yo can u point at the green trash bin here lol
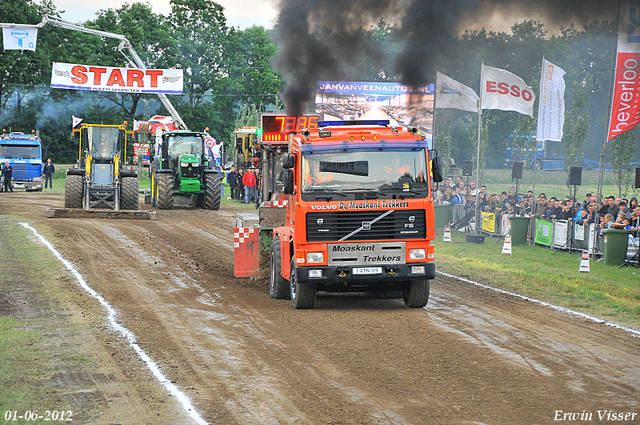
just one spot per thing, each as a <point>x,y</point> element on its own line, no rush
<point>442,215</point>
<point>519,230</point>
<point>615,246</point>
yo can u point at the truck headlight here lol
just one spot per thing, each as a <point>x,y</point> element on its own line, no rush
<point>315,257</point>
<point>37,179</point>
<point>417,254</point>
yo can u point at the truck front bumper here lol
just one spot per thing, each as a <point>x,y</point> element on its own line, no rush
<point>28,186</point>
<point>344,276</point>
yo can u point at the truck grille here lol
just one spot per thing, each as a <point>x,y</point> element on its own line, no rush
<point>334,225</point>
<point>25,172</point>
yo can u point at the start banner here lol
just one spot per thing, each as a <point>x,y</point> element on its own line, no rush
<point>105,78</point>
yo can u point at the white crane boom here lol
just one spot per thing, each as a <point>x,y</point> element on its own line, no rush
<point>134,60</point>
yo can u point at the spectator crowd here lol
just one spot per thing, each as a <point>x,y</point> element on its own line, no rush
<point>608,212</point>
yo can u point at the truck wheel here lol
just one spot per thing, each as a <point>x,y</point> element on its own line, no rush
<point>302,296</point>
<point>165,191</point>
<point>73,191</point>
<point>129,198</point>
<point>213,193</point>
<point>278,287</point>
<point>537,165</point>
<point>416,293</point>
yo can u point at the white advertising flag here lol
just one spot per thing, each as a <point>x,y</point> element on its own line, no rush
<point>503,90</point>
<point>75,121</point>
<point>551,105</point>
<point>107,78</point>
<point>23,37</point>
<point>453,94</point>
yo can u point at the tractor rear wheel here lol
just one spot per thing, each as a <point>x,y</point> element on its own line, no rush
<point>73,191</point>
<point>213,192</point>
<point>129,194</point>
<point>416,293</point>
<point>165,191</point>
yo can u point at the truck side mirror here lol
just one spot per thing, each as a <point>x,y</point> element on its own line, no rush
<point>436,169</point>
<point>289,162</point>
<point>287,176</point>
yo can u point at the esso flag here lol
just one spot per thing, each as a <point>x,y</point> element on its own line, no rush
<point>625,104</point>
<point>105,78</point>
<point>503,90</point>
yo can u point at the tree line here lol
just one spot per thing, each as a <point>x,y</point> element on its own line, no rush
<point>228,76</point>
<point>225,68</point>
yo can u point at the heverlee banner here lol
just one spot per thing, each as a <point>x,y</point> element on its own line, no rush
<point>625,104</point>
<point>106,78</point>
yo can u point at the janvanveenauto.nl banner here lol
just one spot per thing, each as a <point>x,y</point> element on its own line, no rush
<point>106,78</point>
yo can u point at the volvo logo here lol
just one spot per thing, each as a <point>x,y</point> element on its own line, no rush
<point>320,221</point>
<point>366,225</point>
<point>412,218</point>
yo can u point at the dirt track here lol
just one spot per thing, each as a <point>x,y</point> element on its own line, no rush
<point>472,356</point>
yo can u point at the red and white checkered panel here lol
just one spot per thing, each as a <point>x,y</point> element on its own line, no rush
<point>246,252</point>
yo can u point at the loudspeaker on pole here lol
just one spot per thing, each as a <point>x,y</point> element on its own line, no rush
<point>516,171</point>
<point>575,176</point>
<point>467,168</point>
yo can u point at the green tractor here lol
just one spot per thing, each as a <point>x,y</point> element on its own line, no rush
<point>100,179</point>
<point>181,169</point>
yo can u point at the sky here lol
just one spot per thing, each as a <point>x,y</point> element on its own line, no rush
<point>239,13</point>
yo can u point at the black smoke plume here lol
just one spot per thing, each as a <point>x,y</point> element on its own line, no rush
<point>318,38</point>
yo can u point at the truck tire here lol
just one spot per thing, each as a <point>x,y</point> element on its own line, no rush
<point>165,191</point>
<point>73,191</point>
<point>278,286</point>
<point>537,165</point>
<point>213,191</point>
<point>129,195</point>
<point>416,293</point>
<point>302,295</point>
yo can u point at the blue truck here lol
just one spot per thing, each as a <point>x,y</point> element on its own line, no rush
<point>24,153</point>
<point>550,155</point>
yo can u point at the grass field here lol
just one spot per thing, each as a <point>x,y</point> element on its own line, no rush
<point>606,292</point>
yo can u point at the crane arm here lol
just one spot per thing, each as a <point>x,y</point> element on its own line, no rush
<point>133,58</point>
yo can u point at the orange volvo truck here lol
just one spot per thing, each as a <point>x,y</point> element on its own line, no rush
<point>359,214</point>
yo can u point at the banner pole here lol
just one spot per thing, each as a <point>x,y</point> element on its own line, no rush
<point>614,67</point>
<point>478,184</point>
<point>534,203</point>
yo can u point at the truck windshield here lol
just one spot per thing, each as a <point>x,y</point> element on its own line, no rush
<point>398,170</point>
<point>185,145</point>
<point>19,151</point>
<point>103,141</point>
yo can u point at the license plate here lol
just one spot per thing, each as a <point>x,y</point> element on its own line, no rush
<point>367,270</point>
